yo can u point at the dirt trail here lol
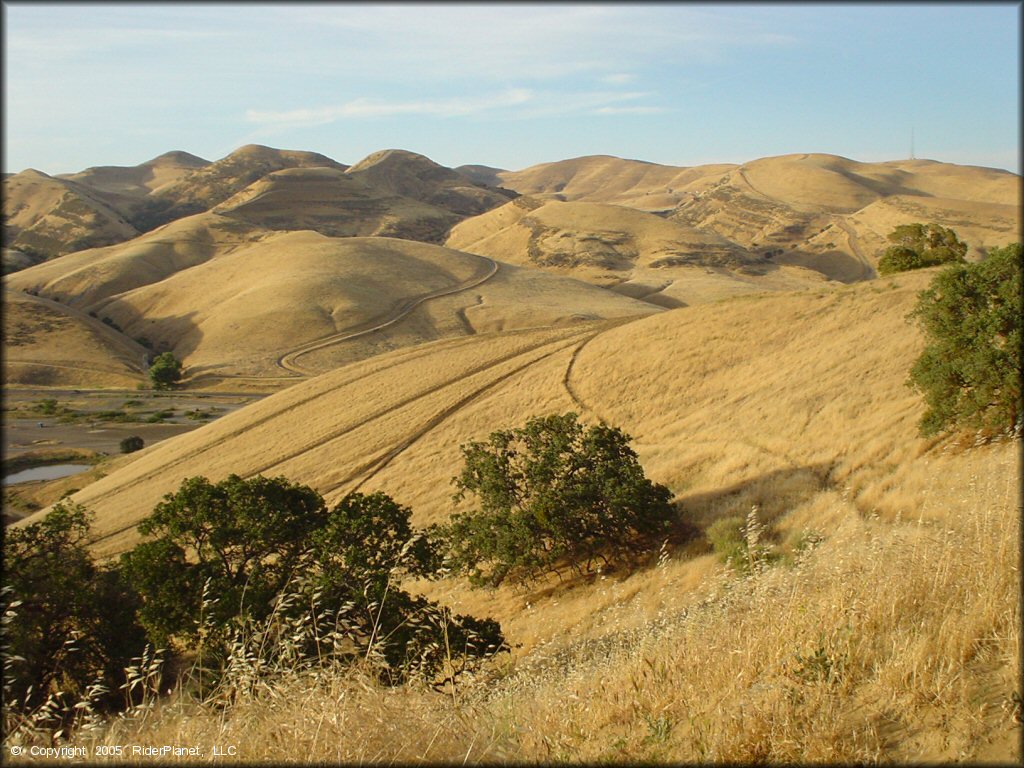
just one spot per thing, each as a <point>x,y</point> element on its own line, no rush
<point>288,360</point>
<point>567,377</point>
<point>867,271</point>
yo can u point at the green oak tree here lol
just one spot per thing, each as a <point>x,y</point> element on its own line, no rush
<point>920,245</point>
<point>552,493</point>
<point>165,370</point>
<point>970,370</point>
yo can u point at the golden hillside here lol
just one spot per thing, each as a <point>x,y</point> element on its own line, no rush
<point>47,216</point>
<point>606,179</point>
<point>783,402</point>
<point>138,180</point>
<point>232,299</point>
<point>823,212</point>
<point>38,334</point>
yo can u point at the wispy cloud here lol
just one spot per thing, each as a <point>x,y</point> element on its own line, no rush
<point>366,107</point>
<point>514,103</point>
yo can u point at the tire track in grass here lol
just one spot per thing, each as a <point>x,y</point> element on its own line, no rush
<point>369,469</point>
<point>454,379</point>
<point>567,376</point>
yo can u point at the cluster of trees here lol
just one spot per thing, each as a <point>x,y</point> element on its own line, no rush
<point>921,245</point>
<point>222,558</point>
<point>969,373</point>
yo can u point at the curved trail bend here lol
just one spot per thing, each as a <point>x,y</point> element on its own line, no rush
<point>288,361</point>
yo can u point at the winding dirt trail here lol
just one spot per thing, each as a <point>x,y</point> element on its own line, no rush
<point>288,361</point>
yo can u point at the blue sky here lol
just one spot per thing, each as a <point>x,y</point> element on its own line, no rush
<point>511,85</point>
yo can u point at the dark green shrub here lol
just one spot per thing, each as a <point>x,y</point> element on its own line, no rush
<point>132,444</point>
<point>239,553</point>
<point>920,245</point>
<point>553,493</point>
<point>68,622</point>
<point>970,370</point>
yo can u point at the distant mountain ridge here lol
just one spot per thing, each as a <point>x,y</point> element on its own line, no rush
<point>127,201</point>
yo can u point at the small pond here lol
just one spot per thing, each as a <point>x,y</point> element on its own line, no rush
<point>49,472</point>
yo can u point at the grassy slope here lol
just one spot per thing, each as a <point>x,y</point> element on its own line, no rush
<point>38,334</point>
<point>230,298</point>
<point>896,638</point>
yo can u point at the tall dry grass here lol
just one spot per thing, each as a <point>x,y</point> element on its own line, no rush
<point>889,640</point>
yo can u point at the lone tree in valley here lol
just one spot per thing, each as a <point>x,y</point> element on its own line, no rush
<point>920,245</point>
<point>970,371</point>
<point>552,493</point>
<point>165,371</point>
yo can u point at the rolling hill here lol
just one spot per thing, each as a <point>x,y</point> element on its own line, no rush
<point>232,299</point>
<point>45,216</point>
<point>408,174</point>
<point>138,180</point>
<point>632,252</point>
<point>337,204</point>
<point>819,211</point>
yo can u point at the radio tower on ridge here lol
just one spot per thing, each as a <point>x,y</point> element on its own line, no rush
<point>911,142</point>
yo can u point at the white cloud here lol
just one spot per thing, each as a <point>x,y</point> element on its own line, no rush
<point>514,103</point>
<point>365,107</point>
<point>619,78</point>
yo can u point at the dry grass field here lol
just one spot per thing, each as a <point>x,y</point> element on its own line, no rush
<point>747,346</point>
<point>888,629</point>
